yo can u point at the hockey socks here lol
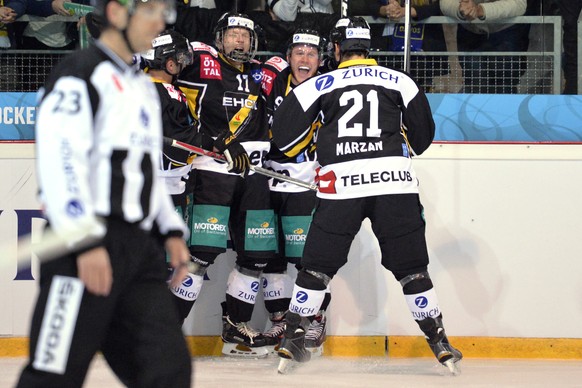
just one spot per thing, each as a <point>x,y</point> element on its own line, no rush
<point>186,294</point>
<point>277,289</point>
<point>241,293</point>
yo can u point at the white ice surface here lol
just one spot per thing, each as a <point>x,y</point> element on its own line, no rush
<point>350,372</point>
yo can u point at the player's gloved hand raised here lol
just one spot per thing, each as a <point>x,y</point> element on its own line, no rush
<point>235,154</point>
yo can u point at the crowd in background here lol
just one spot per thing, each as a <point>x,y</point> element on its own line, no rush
<point>478,31</point>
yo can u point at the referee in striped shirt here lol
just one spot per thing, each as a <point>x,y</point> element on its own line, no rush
<point>99,135</point>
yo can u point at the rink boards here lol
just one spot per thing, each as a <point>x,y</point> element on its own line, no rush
<point>503,227</point>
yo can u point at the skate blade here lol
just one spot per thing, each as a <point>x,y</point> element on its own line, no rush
<point>285,366</point>
<point>453,367</point>
<point>243,351</point>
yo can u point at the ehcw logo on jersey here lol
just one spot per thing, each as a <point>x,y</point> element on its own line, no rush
<point>323,82</point>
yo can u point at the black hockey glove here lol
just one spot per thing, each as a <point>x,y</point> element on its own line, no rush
<point>203,141</point>
<point>235,154</point>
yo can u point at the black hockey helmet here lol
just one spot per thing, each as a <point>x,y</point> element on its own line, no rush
<point>305,36</point>
<point>352,34</point>
<point>236,20</point>
<point>169,44</point>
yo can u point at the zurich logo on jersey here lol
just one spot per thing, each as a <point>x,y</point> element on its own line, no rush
<point>255,286</point>
<point>301,297</point>
<point>187,282</point>
<point>265,282</point>
<point>74,208</point>
<point>421,302</point>
<point>257,75</point>
<point>323,82</point>
<point>144,117</point>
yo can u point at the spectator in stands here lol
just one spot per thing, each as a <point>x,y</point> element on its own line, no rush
<point>285,10</point>
<point>221,5</point>
<point>197,24</point>
<point>424,37</point>
<point>203,4</point>
<point>570,11</point>
<point>45,34</point>
<point>40,35</point>
<point>537,79</point>
<point>7,15</point>
<point>282,18</point>
<point>489,74</point>
<point>10,10</point>
<point>315,6</point>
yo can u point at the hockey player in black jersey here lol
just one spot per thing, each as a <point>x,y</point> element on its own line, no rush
<point>98,136</point>
<point>366,172</point>
<point>170,54</point>
<point>223,88</point>
<point>293,205</point>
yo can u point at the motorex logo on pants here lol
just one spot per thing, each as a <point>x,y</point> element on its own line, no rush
<point>208,225</point>
<point>260,232</point>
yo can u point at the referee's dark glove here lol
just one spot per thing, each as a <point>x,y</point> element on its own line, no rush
<point>235,154</point>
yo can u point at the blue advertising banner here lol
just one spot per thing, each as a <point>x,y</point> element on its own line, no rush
<point>17,116</point>
<point>458,117</point>
<point>507,117</point>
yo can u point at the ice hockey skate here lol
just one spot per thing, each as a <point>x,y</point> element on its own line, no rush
<point>315,335</point>
<point>241,340</point>
<point>446,354</point>
<point>275,333</point>
<point>292,346</point>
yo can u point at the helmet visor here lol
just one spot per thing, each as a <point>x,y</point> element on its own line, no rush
<point>185,57</point>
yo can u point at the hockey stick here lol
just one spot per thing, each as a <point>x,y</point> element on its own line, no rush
<point>50,247</point>
<point>216,156</point>
<point>407,36</point>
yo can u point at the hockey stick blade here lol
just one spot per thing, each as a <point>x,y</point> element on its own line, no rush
<point>216,156</point>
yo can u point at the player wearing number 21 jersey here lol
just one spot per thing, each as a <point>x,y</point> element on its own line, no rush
<point>360,146</point>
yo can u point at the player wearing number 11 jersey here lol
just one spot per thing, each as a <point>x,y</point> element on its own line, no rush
<point>223,91</point>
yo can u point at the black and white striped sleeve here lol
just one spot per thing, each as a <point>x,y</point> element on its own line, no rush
<point>64,139</point>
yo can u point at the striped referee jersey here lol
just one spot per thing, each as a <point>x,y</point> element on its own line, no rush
<point>98,139</point>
